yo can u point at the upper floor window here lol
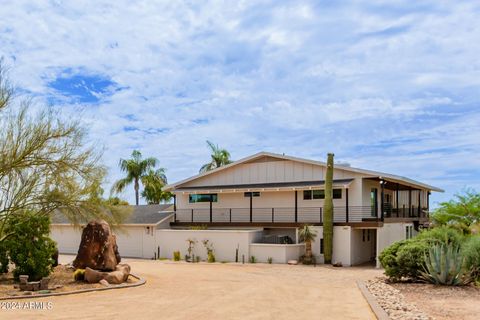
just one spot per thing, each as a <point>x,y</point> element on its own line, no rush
<point>320,194</point>
<point>253,194</point>
<point>193,198</point>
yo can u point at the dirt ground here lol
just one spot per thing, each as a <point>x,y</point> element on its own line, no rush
<point>178,290</point>
<point>442,302</point>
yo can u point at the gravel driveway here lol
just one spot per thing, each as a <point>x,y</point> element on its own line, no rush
<point>178,290</point>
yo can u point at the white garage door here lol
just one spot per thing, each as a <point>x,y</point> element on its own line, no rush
<point>130,242</point>
<point>67,238</point>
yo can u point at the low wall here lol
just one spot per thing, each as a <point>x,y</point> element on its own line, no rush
<point>224,242</point>
<point>280,253</point>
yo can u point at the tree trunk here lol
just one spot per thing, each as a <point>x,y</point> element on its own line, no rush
<point>308,249</point>
<point>136,191</point>
<point>328,211</point>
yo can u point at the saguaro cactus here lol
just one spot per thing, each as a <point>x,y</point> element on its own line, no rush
<point>328,211</point>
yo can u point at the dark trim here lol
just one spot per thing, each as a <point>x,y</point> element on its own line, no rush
<point>251,207</point>
<point>410,202</point>
<point>419,200</point>
<point>267,185</point>
<point>398,200</point>
<point>296,206</point>
<point>346,204</point>
<point>382,199</point>
<point>211,209</point>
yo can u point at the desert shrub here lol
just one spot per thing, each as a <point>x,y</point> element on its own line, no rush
<point>471,253</point>
<point>270,260</point>
<point>444,266</point>
<point>79,275</point>
<point>443,234</point>
<point>176,255</point>
<point>211,257</point>
<point>210,252</point>
<point>30,247</point>
<point>404,259</point>
<point>3,258</point>
<point>253,259</point>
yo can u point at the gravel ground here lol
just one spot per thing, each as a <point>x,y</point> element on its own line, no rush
<point>393,301</point>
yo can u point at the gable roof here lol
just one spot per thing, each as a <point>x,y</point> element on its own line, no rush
<point>260,155</point>
<point>141,215</point>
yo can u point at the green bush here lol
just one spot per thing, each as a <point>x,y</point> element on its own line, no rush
<point>79,275</point>
<point>443,234</point>
<point>270,260</point>
<point>404,259</point>
<point>176,255</point>
<point>30,247</point>
<point>471,253</point>
<point>3,258</point>
<point>253,259</point>
<point>211,257</point>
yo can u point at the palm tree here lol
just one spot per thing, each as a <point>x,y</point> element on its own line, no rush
<point>307,235</point>
<point>153,182</point>
<point>328,211</point>
<point>136,168</point>
<point>220,157</point>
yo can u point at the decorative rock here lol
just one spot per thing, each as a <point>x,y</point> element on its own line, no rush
<point>337,264</point>
<point>120,275</point>
<point>44,283</point>
<point>94,276</point>
<point>27,293</point>
<point>98,248</point>
<point>104,282</point>
<point>292,262</point>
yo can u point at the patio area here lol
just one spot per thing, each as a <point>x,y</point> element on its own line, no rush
<point>178,290</point>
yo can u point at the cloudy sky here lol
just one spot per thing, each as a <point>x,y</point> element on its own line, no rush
<point>384,86</point>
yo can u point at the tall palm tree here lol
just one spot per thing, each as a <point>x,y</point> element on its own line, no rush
<point>220,157</point>
<point>153,182</point>
<point>136,168</point>
<point>307,235</point>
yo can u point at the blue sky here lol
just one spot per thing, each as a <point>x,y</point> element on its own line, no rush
<point>384,85</point>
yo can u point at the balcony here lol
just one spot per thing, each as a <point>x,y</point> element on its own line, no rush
<point>311,215</point>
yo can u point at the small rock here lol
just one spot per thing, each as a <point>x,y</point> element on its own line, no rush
<point>292,262</point>
<point>104,283</point>
<point>27,293</point>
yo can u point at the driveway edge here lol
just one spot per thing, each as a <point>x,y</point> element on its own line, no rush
<point>372,302</point>
<point>141,281</point>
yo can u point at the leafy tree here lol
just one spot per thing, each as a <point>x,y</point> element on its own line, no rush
<point>116,201</point>
<point>45,165</point>
<point>30,247</point>
<point>137,170</point>
<point>307,235</point>
<point>328,211</point>
<point>153,182</point>
<point>220,157</point>
<point>463,209</point>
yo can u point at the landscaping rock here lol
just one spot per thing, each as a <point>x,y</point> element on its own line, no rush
<point>393,302</point>
<point>120,275</point>
<point>94,276</point>
<point>104,283</point>
<point>292,262</point>
<point>98,248</point>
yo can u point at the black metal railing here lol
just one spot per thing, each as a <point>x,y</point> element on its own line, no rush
<point>274,215</point>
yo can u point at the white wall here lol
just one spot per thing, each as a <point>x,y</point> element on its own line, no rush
<point>341,244</point>
<point>390,233</point>
<point>224,242</point>
<point>67,238</point>
<point>280,253</point>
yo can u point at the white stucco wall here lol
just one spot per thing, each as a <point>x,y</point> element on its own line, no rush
<point>224,242</point>
<point>362,250</point>
<point>390,233</point>
<point>280,253</point>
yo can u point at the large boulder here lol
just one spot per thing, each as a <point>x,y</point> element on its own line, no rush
<point>98,248</point>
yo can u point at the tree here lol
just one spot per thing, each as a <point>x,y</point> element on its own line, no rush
<point>153,182</point>
<point>464,209</point>
<point>328,211</point>
<point>46,165</point>
<point>220,157</point>
<point>307,235</point>
<point>135,168</point>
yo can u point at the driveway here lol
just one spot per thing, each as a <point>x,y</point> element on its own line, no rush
<point>178,290</point>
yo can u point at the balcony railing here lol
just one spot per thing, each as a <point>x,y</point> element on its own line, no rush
<point>272,215</point>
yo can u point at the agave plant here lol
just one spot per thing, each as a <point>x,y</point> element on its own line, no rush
<point>444,266</point>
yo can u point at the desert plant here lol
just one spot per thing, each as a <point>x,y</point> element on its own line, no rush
<point>200,227</point>
<point>270,260</point>
<point>30,248</point>
<point>443,234</point>
<point>307,235</point>
<point>444,266</point>
<point>219,157</point>
<point>211,257</point>
<point>4,260</point>
<point>176,255</point>
<point>191,245</point>
<point>253,259</point>
<point>79,275</point>
<point>404,259</point>
<point>471,253</point>
<point>210,253</point>
<point>328,211</point>
<point>197,259</point>
<point>236,253</point>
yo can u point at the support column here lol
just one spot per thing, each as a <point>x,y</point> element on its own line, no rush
<point>211,202</point>
<point>174,208</point>
<point>346,205</point>
<point>410,202</point>
<point>428,203</point>
<point>251,206</point>
<point>296,206</point>
<point>419,200</point>
<point>397,194</point>
<point>382,196</point>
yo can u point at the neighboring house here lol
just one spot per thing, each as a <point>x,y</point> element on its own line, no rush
<point>259,201</point>
<point>136,237</point>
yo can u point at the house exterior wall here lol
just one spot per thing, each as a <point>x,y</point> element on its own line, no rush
<point>362,247</point>
<point>280,253</point>
<point>390,233</point>
<point>224,242</point>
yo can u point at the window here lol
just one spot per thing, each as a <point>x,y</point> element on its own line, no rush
<point>193,198</point>
<point>320,194</point>
<point>409,232</point>
<point>253,194</point>
<point>321,246</point>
